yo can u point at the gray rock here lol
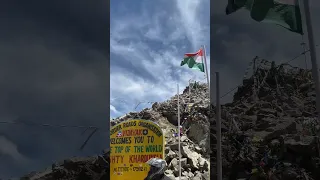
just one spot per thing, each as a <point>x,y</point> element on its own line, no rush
<point>286,127</point>
<point>171,177</point>
<point>168,172</point>
<point>174,163</point>
<point>192,156</point>
<point>198,133</point>
<point>184,162</point>
<point>184,138</point>
<point>170,155</point>
<point>175,146</point>
<point>206,176</point>
<point>203,164</point>
<point>182,178</point>
<point>197,178</point>
<point>301,144</point>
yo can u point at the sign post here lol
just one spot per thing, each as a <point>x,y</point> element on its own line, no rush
<point>132,143</point>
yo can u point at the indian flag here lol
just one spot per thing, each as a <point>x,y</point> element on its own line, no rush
<point>194,60</point>
<point>285,13</point>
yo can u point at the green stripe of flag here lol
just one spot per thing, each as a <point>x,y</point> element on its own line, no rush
<point>285,13</point>
<point>194,60</point>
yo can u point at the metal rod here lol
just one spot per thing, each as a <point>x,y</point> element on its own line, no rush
<point>303,44</point>
<point>313,56</point>
<point>206,68</point>
<point>189,90</point>
<point>218,122</point>
<point>179,137</point>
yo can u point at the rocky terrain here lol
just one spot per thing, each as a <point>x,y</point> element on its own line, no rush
<point>195,143</point>
<point>270,132</point>
<point>275,130</point>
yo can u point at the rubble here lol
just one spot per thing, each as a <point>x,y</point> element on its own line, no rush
<point>269,131</point>
<point>278,137</point>
<point>79,168</point>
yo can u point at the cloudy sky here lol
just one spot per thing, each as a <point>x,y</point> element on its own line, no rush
<point>148,40</point>
<point>54,70</point>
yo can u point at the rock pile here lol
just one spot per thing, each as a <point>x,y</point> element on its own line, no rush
<point>77,168</point>
<point>194,165</point>
<point>274,131</point>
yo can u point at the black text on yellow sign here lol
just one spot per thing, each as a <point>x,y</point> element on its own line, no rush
<point>133,143</point>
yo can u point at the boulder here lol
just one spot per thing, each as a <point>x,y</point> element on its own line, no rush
<point>192,156</point>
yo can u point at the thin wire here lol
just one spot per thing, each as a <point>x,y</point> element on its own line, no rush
<point>95,129</point>
<point>88,138</point>
<point>277,66</point>
<point>49,125</point>
<point>299,55</point>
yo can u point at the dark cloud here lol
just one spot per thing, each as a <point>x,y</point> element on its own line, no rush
<point>54,68</point>
<point>236,39</point>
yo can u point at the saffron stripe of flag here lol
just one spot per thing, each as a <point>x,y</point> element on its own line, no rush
<point>194,60</point>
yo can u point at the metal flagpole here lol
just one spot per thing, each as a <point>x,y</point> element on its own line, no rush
<point>218,123</point>
<point>179,137</point>
<point>303,44</point>
<point>206,68</point>
<point>189,90</point>
<point>313,56</point>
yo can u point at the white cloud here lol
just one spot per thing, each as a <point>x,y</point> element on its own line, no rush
<point>10,149</point>
<point>190,13</point>
<point>113,109</point>
<point>153,43</point>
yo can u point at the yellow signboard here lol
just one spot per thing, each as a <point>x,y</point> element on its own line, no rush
<point>132,143</point>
